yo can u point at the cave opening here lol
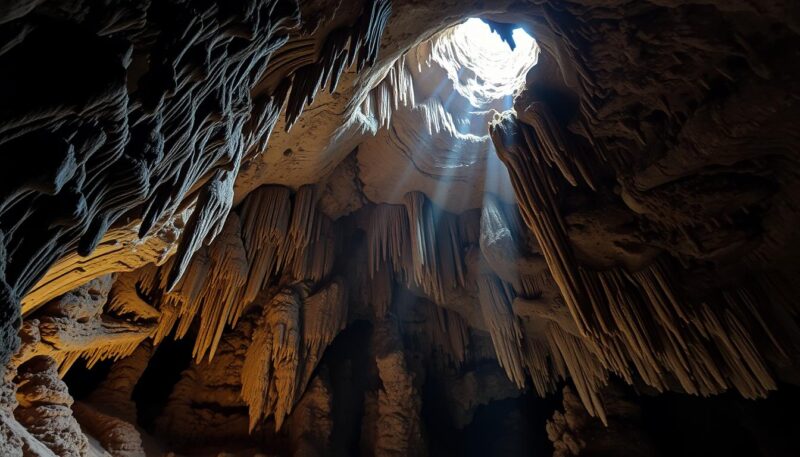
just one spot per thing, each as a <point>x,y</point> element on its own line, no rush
<point>388,227</point>
<point>484,66</point>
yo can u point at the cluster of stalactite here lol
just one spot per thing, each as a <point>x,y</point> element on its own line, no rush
<point>512,285</point>
<point>395,90</point>
<point>635,324</point>
<point>420,244</point>
<point>287,343</point>
<point>112,150</point>
<point>273,236</point>
<point>342,48</point>
<point>162,124</point>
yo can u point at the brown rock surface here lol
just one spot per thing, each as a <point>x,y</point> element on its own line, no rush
<point>367,244</point>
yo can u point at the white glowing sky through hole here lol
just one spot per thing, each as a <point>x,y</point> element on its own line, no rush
<point>478,33</point>
<point>485,67</point>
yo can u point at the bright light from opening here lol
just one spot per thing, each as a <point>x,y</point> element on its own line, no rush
<point>482,67</point>
<point>478,33</point>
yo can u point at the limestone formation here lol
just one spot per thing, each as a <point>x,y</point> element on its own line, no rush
<point>44,408</point>
<point>327,227</point>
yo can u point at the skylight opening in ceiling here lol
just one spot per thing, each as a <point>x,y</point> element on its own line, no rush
<point>481,65</point>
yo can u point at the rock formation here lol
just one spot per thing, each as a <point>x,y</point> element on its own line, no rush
<point>325,227</point>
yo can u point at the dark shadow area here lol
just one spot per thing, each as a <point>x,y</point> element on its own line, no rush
<point>164,370</point>
<point>726,424</point>
<point>509,427</point>
<point>82,380</point>
<point>351,369</point>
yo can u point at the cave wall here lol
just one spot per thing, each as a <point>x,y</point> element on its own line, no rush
<point>258,178</point>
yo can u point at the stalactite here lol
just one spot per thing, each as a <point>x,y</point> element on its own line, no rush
<point>629,323</point>
<point>544,372</point>
<point>344,46</point>
<point>584,369</point>
<point>450,253</point>
<point>273,356</point>
<point>221,299</point>
<point>208,220</point>
<point>436,332</point>
<point>545,135</point>
<point>125,299</point>
<point>451,334</point>
<point>305,226</point>
<point>324,315</point>
<point>294,331</point>
<point>389,236</point>
<point>182,303</point>
<point>380,292</point>
<point>266,213</point>
<point>424,265</point>
<point>495,298</point>
<point>314,261</point>
<point>394,91</point>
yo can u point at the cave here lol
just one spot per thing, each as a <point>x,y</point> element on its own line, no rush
<point>324,228</point>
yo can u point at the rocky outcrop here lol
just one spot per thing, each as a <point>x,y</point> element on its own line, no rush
<point>311,424</point>
<point>574,432</point>
<point>398,428</point>
<point>118,437</point>
<point>75,326</point>
<point>44,408</point>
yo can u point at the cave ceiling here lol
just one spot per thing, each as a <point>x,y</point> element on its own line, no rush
<point>321,227</point>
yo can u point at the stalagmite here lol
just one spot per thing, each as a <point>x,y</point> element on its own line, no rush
<point>311,424</point>
<point>398,425</point>
<point>206,405</point>
<point>115,393</point>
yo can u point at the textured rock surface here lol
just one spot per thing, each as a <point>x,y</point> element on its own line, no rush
<point>358,254</point>
<point>44,408</point>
